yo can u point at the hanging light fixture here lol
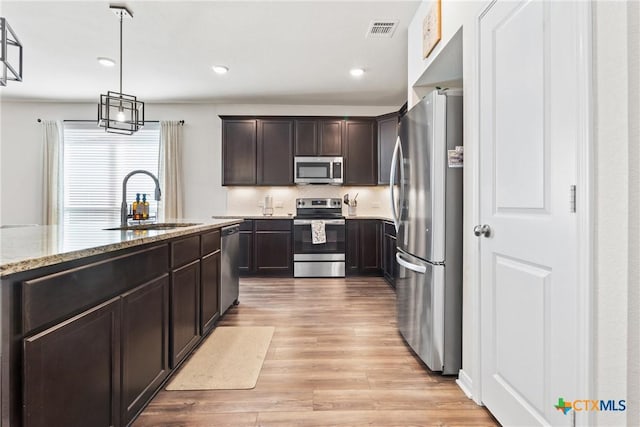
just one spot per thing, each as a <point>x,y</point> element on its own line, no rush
<point>119,112</point>
<point>9,45</point>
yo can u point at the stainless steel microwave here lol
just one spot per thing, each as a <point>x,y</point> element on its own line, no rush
<point>318,170</point>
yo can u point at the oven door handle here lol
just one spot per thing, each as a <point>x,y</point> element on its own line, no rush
<point>326,221</point>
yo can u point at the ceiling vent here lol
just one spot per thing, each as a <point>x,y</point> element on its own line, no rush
<point>381,28</point>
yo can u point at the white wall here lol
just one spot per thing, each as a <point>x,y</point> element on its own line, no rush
<point>633,386</point>
<point>613,199</point>
<point>455,14</point>
<point>21,149</point>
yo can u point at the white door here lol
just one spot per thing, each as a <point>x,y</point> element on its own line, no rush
<point>528,162</point>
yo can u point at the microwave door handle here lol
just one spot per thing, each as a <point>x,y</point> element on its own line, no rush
<point>392,183</point>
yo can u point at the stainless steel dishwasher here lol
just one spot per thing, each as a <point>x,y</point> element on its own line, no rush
<point>229,274</point>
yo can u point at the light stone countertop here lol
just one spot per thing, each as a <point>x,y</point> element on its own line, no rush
<point>29,247</point>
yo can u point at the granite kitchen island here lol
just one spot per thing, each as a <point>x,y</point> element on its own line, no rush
<point>94,321</point>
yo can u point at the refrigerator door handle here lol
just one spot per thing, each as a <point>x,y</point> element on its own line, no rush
<point>411,266</point>
<point>392,183</point>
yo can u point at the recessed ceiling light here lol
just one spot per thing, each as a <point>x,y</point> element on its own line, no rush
<point>107,62</point>
<point>357,72</point>
<point>220,69</point>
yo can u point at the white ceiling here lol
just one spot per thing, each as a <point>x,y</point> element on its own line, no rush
<point>289,52</point>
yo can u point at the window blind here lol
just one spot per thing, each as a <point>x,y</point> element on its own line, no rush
<point>96,162</point>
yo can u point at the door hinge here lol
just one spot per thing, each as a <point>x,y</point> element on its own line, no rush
<point>572,198</point>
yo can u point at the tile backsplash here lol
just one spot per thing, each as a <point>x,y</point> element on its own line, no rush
<point>372,201</point>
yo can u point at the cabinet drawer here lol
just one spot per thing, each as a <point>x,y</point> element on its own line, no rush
<point>210,242</point>
<point>246,225</point>
<point>273,225</point>
<point>60,295</point>
<point>184,251</point>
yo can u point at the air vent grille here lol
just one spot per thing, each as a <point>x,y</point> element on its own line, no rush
<point>381,28</point>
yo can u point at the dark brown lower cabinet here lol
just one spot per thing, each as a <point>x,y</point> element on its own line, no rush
<point>72,371</point>
<point>245,257</point>
<point>389,263</point>
<point>273,252</point>
<point>185,303</point>
<point>266,247</point>
<point>352,244</point>
<point>364,249</point>
<point>209,291</point>
<point>370,246</point>
<point>145,344</point>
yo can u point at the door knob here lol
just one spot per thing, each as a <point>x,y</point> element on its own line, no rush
<point>482,230</point>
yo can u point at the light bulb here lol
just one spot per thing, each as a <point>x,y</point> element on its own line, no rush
<point>357,72</point>
<point>120,116</point>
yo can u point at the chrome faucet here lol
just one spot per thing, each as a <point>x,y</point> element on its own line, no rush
<point>124,208</point>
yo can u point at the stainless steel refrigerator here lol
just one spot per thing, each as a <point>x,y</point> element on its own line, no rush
<point>426,198</point>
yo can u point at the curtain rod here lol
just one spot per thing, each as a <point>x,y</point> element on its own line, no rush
<point>146,121</point>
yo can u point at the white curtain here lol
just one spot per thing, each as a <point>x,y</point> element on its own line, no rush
<point>171,169</point>
<point>53,147</point>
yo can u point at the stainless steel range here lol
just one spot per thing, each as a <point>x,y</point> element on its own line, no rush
<point>321,255</point>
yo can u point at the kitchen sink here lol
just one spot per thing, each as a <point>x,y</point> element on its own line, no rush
<point>156,226</point>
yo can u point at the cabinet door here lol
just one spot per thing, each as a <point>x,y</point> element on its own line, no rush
<point>245,262</point>
<point>389,259</point>
<point>330,138</point>
<point>72,371</point>
<point>387,136</point>
<point>370,246</point>
<point>360,152</point>
<point>238,152</point>
<point>352,256</point>
<point>273,253</point>
<point>305,137</point>
<point>275,152</point>
<point>185,306</point>
<point>145,344</point>
<point>209,291</point>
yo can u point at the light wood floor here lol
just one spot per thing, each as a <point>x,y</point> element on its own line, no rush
<point>336,359</point>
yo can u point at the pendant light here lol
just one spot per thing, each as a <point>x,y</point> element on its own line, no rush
<point>9,46</point>
<point>119,112</point>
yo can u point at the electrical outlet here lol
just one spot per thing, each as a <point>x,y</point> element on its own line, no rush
<point>279,204</point>
<point>261,204</point>
<point>375,205</point>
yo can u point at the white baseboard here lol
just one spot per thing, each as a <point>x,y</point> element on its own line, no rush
<point>465,383</point>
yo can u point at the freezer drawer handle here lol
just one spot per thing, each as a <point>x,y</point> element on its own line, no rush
<point>413,267</point>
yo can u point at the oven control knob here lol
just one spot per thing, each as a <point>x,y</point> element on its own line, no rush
<point>301,203</point>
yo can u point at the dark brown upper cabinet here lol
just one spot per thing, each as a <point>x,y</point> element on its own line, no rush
<point>318,137</point>
<point>330,137</point>
<point>360,152</point>
<point>387,136</point>
<point>275,152</point>
<point>306,137</point>
<point>239,144</point>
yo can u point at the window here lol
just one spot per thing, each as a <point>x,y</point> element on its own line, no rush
<point>95,163</point>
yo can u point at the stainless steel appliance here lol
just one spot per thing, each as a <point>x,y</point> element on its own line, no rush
<point>229,273</point>
<point>319,259</point>
<point>318,170</point>
<point>426,201</point>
